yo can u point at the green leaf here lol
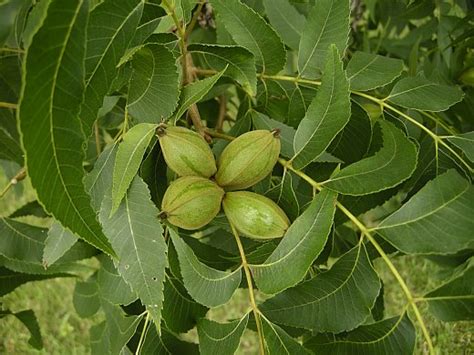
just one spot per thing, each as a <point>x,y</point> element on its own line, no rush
<point>336,300</point>
<point>32,208</point>
<point>239,61</point>
<point>10,149</point>
<point>29,320</point>
<point>99,181</point>
<point>58,242</point>
<point>327,114</point>
<point>353,142</point>
<point>392,164</point>
<point>167,344</point>
<point>206,285</point>
<point>11,279</point>
<point>454,300</point>
<point>51,133</point>
<point>194,92</point>
<point>422,94</point>
<point>86,298</point>
<point>119,329</point>
<point>137,236</point>
<point>465,142</point>
<point>391,336</point>
<point>249,30</point>
<point>286,21</point>
<point>437,219</point>
<point>327,24</point>
<point>302,243</point>
<point>112,286</point>
<point>35,21</point>
<point>129,157</point>
<point>367,71</point>
<point>277,341</point>
<point>220,338</point>
<point>180,311</point>
<point>9,10</point>
<point>154,87</point>
<point>110,29</point>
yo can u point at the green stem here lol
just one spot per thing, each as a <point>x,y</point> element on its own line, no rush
<point>193,22</point>
<point>142,336</point>
<point>8,105</point>
<point>20,175</point>
<point>248,276</point>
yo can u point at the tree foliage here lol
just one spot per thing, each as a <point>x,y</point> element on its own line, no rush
<point>373,104</point>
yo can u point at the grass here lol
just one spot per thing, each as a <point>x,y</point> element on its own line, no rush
<point>64,332</point>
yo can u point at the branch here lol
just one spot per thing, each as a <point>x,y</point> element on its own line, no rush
<point>248,276</point>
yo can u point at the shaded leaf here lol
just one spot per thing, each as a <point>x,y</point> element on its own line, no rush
<point>180,311</point>
<point>422,94</point>
<point>110,29</point>
<point>391,336</point>
<point>32,208</point>
<point>58,242</point>
<point>167,344</point>
<point>137,236</point>
<point>286,21</point>
<point>249,30</point>
<point>287,133</point>
<point>327,24</point>
<point>154,86</point>
<point>10,149</point>
<point>206,285</point>
<point>277,341</point>
<point>9,10</point>
<point>367,71</point>
<point>454,300</point>
<point>11,279</point>
<point>29,320</point>
<point>112,287</point>
<point>437,219</point>
<point>86,298</point>
<point>129,157</point>
<point>240,63</point>
<point>51,132</point>
<point>465,142</point>
<point>220,338</point>
<point>337,300</point>
<point>391,165</point>
<point>302,243</point>
<point>327,114</point>
<point>194,92</point>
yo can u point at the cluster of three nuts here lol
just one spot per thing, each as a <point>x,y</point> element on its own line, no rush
<point>193,200</point>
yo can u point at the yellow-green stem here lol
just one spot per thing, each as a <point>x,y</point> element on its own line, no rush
<point>20,175</point>
<point>8,105</point>
<point>248,276</point>
<point>142,336</point>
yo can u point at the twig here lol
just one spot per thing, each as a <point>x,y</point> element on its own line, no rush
<point>248,276</point>
<point>13,50</point>
<point>193,22</point>
<point>97,137</point>
<point>15,180</point>
<point>142,336</point>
